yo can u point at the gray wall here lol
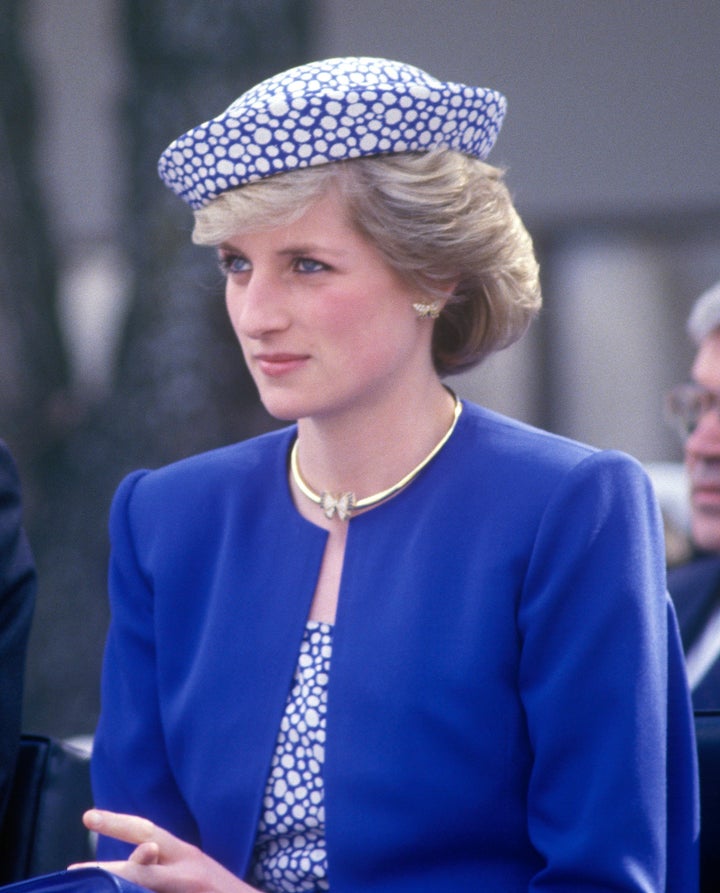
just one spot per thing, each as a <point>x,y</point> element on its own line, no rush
<point>614,105</point>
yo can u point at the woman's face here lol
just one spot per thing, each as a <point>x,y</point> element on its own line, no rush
<point>325,325</point>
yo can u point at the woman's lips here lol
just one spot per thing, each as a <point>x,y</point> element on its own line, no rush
<point>277,364</point>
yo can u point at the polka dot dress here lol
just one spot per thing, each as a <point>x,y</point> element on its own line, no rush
<point>289,854</point>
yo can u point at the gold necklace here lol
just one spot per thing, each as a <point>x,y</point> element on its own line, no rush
<point>345,504</point>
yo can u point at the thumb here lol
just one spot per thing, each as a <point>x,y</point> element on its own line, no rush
<point>147,853</point>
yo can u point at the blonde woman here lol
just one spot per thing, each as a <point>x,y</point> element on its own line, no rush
<point>404,643</point>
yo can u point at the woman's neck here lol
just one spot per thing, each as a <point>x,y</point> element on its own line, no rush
<point>373,448</point>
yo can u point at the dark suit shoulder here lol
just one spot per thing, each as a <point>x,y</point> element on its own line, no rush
<point>694,587</point>
<point>701,572</point>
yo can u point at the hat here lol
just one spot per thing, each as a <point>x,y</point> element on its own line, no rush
<point>329,111</point>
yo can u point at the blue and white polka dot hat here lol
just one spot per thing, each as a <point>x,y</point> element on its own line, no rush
<point>329,111</point>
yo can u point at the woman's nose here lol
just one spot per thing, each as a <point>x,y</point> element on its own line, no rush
<point>257,306</point>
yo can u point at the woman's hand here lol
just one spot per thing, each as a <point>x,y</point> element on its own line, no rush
<point>160,861</point>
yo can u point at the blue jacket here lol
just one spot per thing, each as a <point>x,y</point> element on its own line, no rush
<point>503,660</point>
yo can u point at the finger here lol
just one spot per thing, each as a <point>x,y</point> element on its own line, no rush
<point>143,875</point>
<point>128,828</point>
<point>136,830</point>
<point>146,854</point>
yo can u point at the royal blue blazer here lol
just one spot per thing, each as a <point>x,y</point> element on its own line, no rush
<point>507,707</point>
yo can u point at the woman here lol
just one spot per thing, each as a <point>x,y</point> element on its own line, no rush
<point>403,644</point>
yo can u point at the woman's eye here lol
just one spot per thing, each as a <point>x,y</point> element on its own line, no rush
<point>232,263</point>
<point>308,265</point>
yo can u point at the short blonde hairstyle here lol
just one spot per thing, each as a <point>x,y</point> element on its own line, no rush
<point>436,218</point>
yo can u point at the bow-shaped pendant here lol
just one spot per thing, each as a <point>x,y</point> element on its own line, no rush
<point>342,505</point>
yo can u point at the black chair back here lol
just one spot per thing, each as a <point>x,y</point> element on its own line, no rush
<point>42,831</point>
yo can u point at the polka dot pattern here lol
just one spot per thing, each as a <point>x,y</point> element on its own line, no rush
<point>289,854</point>
<point>328,111</point>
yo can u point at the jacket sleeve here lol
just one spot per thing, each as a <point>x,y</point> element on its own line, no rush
<point>17,600</point>
<point>130,768</point>
<point>599,677</point>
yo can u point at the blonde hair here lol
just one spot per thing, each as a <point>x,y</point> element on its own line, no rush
<point>436,218</point>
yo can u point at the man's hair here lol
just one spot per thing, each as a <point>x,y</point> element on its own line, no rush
<point>705,314</point>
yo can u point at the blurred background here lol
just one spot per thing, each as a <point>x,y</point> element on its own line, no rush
<point>114,349</point>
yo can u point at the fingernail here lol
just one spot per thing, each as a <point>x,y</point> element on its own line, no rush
<point>93,818</point>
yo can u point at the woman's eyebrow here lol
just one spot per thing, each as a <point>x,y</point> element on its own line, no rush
<point>311,248</point>
<point>300,248</point>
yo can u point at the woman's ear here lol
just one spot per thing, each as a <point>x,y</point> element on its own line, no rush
<point>443,292</point>
<point>448,288</point>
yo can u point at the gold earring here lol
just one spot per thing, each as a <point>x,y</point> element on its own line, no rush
<point>428,311</point>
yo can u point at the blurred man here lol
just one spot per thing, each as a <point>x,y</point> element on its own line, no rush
<point>17,598</point>
<point>695,585</point>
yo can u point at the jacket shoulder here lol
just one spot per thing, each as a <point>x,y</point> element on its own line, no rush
<point>520,447</point>
<point>203,484</point>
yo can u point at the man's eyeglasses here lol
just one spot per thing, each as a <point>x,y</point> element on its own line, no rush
<point>686,404</point>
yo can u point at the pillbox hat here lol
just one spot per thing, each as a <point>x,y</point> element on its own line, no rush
<point>329,111</point>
